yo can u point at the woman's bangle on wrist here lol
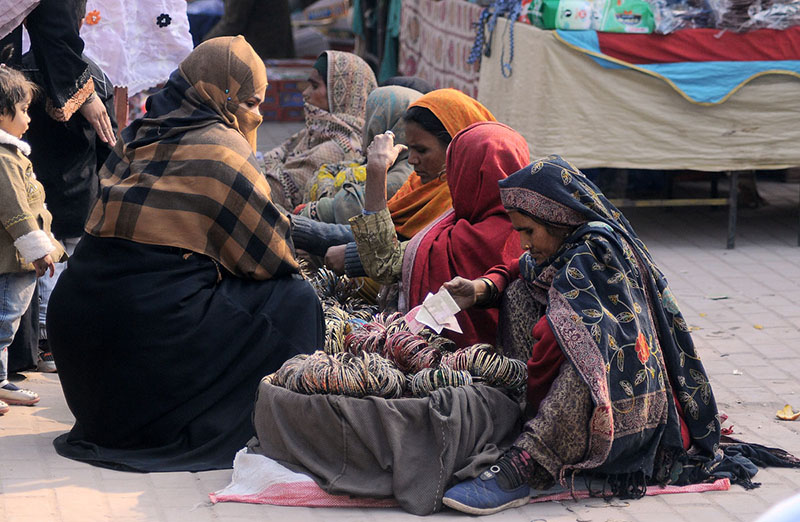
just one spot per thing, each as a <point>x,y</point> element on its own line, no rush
<point>491,294</point>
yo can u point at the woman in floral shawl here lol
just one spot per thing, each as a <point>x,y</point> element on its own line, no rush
<point>336,101</point>
<point>615,387</point>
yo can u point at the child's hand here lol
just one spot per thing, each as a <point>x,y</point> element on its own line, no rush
<point>42,264</point>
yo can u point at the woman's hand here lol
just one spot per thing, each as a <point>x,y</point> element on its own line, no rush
<point>381,154</point>
<point>95,113</point>
<point>465,292</point>
<point>42,264</point>
<point>334,259</point>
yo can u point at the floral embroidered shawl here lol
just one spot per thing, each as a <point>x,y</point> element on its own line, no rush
<point>617,321</point>
<point>329,136</point>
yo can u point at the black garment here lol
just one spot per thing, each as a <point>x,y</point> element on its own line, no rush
<point>67,155</point>
<point>265,25</point>
<point>160,360</point>
<point>55,41</point>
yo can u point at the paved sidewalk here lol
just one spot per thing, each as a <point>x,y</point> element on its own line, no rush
<point>743,304</point>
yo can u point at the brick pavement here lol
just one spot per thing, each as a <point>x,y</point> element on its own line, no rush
<point>749,341</point>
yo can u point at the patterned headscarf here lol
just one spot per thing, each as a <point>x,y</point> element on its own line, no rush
<point>617,321</point>
<point>185,174</point>
<point>385,108</point>
<point>330,136</point>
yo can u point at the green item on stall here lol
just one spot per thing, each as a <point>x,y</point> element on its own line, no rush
<point>612,16</point>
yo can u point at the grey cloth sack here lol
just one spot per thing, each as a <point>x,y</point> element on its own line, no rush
<point>409,449</point>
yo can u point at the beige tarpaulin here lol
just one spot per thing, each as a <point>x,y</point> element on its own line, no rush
<point>565,103</point>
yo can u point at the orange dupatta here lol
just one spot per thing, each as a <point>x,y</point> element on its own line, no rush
<point>416,205</point>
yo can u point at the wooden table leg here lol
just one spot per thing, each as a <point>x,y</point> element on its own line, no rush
<point>121,106</point>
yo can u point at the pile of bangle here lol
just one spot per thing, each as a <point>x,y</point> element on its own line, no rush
<point>366,374</point>
<point>371,336</point>
<point>337,326</point>
<point>487,366</point>
<point>369,354</point>
<point>428,380</point>
<point>341,292</point>
<point>410,352</point>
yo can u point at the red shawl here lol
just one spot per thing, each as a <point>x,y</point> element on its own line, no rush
<point>477,234</point>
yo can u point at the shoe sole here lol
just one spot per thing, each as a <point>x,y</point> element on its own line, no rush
<point>44,369</point>
<point>454,504</point>
<point>12,402</point>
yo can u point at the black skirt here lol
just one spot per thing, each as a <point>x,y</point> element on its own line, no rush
<point>160,360</point>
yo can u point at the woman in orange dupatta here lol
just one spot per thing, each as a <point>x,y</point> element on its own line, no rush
<point>436,116</point>
<point>417,204</point>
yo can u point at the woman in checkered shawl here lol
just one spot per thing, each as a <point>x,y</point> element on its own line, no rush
<point>184,290</point>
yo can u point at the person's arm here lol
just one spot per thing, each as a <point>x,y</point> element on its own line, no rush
<point>67,79</point>
<point>381,155</point>
<point>344,259</point>
<point>485,290</point>
<point>380,251</point>
<point>19,221</point>
<point>316,237</point>
<point>57,47</point>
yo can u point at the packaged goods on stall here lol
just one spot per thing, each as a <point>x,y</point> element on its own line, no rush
<point>612,16</point>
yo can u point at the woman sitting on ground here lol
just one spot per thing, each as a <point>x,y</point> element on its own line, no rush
<point>430,124</point>
<point>184,291</point>
<point>473,236</point>
<point>615,387</point>
<point>336,99</point>
<point>336,191</point>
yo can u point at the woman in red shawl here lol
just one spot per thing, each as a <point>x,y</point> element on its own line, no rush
<point>472,237</point>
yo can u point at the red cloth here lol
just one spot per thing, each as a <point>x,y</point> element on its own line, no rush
<point>685,435</point>
<point>544,364</point>
<point>478,234</point>
<point>702,45</point>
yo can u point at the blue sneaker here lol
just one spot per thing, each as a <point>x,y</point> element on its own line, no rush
<point>484,496</point>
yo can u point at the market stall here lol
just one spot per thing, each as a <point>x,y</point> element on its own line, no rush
<point>563,101</point>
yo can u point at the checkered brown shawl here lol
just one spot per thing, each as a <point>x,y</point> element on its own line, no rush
<point>185,174</point>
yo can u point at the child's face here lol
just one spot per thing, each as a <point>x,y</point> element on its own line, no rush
<point>16,124</point>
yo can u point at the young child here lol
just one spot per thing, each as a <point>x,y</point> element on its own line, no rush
<point>27,248</point>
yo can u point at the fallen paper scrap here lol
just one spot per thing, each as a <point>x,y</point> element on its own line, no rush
<point>737,372</point>
<point>758,327</point>
<point>437,312</point>
<point>787,413</point>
